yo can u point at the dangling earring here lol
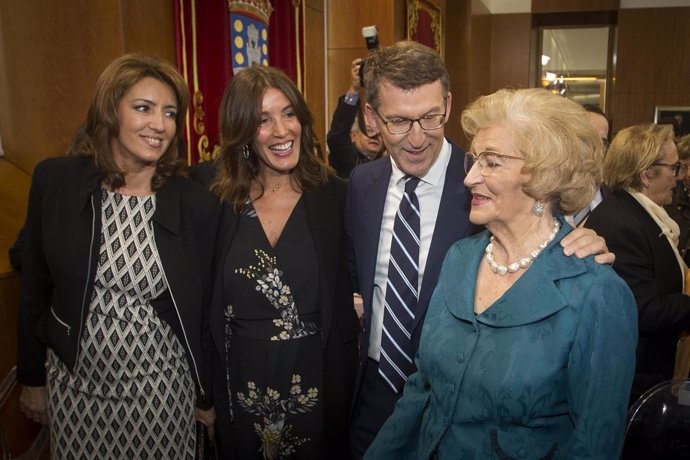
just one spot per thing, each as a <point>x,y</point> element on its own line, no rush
<point>538,208</point>
<point>245,151</point>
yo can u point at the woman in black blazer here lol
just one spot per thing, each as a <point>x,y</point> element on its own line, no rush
<point>283,316</point>
<point>116,278</point>
<point>641,168</point>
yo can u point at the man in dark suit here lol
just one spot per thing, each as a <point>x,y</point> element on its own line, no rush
<point>598,119</point>
<point>408,102</point>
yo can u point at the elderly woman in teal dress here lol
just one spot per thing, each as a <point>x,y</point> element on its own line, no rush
<point>525,353</point>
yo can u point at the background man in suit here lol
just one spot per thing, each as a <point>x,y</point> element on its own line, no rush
<point>350,140</point>
<point>408,102</point>
<point>598,119</point>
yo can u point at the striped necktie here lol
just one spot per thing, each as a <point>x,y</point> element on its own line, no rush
<point>397,354</point>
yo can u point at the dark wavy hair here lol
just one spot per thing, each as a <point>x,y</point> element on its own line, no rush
<point>240,118</point>
<point>94,136</point>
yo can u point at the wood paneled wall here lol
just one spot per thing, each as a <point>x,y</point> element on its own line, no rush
<point>462,62</point>
<point>315,65</point>
<point>653,65</point>
<point>50,57</point>
<point>345,43</point>
<point>14,192</point>
<point>510,50</point>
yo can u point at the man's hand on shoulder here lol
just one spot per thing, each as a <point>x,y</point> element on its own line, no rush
<point>583,242</point>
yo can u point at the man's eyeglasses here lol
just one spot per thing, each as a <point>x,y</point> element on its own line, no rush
<point>486,161</point>
<point>404,125</point>
<point>676,167</point>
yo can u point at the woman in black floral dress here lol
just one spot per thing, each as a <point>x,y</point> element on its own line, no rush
<point>283,309</point>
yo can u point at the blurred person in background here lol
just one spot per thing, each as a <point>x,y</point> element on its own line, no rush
<point>641,169</point>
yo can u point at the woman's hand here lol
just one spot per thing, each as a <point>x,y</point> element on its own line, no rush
<point>208,418</point>
<point>34,404</point>
<point>583,242</point>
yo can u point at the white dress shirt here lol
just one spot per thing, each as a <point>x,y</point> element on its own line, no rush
<point>429,192</point>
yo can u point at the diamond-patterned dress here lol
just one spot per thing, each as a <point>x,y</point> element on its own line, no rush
<point>132,393</point>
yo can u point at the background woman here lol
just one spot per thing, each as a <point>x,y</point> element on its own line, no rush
<point>283,304</point>
<point>115,278</point>
<point>679,209</point>
<point>641,168</point>
<point>525,352</point>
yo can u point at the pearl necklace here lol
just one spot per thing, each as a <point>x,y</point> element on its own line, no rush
<point>522,263</point>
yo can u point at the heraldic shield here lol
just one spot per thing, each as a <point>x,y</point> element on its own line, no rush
<point>249,33</point>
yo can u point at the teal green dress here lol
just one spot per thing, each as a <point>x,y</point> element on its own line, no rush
<point>544,372</point>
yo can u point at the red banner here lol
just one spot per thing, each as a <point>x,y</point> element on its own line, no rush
<point>212,37</point>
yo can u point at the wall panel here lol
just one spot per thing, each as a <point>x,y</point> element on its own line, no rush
<point>459,56</point>
<point>345,43</point>
<point>653,65</point>
<point>149,27</point>
<point>314,65</point>
<point>510,50</point>
<point>50,59</point>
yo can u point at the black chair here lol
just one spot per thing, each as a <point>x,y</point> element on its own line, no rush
<point>659,423</point>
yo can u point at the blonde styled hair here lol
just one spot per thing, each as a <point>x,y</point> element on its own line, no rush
<point>561,147</point>
<point>683,146</point>
<point>632,151</point>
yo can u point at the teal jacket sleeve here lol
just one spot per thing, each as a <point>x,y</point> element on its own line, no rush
<point>601,368</point>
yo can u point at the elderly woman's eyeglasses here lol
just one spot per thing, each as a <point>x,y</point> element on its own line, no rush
<point>676,167</point>
<point>486,161</point>
<point>404,125</point>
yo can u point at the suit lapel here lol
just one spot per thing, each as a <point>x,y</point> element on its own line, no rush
<point>373,201</point>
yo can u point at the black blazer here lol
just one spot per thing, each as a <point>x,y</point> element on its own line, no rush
<point>63,230</point>
<point>367,190</point>
<point>339,324</point>
<point>646,261</point>
<point>343,154</point>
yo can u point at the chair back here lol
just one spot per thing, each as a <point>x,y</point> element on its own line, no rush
<point>659,423</point>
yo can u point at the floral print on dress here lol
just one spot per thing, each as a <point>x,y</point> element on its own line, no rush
<point>277,440</point>
<point>269,283</point>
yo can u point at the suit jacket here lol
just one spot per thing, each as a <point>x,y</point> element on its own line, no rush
<point>539,374</point>
<point>344,155</point>
<point>646,261</point>
<point>61,253</point>
<point>339,324</point>
<point>367,190</point>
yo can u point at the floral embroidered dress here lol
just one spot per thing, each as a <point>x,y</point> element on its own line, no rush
<point>273,341</point>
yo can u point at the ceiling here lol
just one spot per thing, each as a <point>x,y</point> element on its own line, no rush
<point>525,6</point>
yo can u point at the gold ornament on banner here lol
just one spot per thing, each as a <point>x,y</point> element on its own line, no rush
<point>433,9</point>
<point>259,8</point>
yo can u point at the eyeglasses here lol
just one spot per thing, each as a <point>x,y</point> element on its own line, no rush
<point>404,125</point>
<point>487,161</point>
<point>677,167</point>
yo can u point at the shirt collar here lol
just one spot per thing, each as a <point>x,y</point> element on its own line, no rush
<point>435,174</point>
